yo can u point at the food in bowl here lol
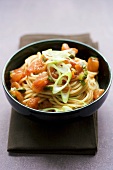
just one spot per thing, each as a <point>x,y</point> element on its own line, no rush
<point>85,51</point>
<point>56,80</point>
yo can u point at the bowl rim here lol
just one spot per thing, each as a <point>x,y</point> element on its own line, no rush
<point>53,40</point>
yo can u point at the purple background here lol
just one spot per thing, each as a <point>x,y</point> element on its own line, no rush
<point>57,17</point>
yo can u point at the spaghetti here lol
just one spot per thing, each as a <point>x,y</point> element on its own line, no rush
<point>56,81</point>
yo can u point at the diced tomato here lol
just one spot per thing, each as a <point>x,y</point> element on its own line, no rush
<point>67,61</point>
<point>15,84</point>
<point>65,46</point>
<point>40,82</point>
<point>33,102</point>
<point>17,74</point>
<point>72,62</point>
<point>17,95</point>
<point>97,93</point>
<point>78,68</point>
<point>36,67</point>
<point>93,64</point>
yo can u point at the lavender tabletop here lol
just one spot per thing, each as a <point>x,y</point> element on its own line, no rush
<point>66,17</point>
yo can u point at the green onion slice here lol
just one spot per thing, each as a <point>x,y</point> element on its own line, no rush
<point>58,86</point>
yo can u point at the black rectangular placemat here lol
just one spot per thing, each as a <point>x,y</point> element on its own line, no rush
<point>76,137</point>
<point>79,136</point>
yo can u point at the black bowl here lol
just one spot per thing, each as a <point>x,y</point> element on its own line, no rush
<point>85,51</point>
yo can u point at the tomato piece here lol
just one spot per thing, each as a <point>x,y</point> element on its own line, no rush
<point>17,74</point>
<point>33,102</point>
<point>40,82</point>
<point>78,68</point>
<point>72,62</point>
<point>67,61</point>
<point>17,95</point>
<point>36,67</point>
<point>97,93</point>
<point>65,46</point>
<point>93,64</point>
<point>15,84</point>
